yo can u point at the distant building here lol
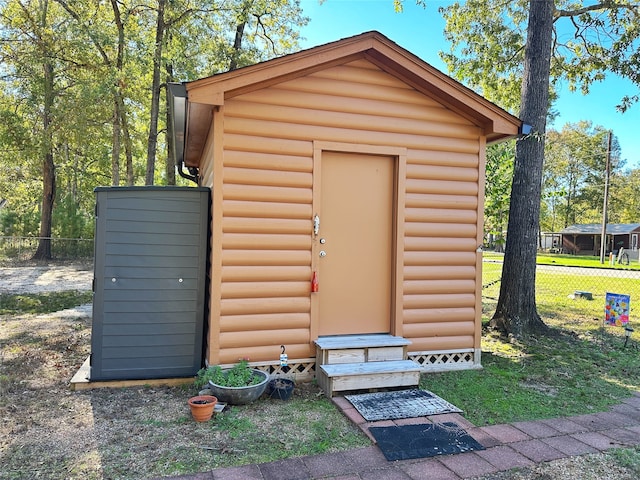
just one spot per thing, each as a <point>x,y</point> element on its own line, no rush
<point>584,239</point>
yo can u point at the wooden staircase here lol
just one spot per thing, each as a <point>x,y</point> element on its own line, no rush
<point>356,362</point>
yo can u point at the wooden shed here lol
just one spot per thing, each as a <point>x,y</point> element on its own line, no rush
<point>347,201</point>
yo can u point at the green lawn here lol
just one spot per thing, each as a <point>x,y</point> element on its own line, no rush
<point>580,367</point>
<point>569,261</point>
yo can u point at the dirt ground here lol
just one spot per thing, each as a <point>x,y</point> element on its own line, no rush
<point>48,431</point>
<point>46,278</point>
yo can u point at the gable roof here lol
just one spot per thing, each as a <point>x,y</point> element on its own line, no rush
<point>596,229</point>
<point>206,93</point>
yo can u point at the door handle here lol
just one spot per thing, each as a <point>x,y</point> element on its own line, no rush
<point>323,253</point>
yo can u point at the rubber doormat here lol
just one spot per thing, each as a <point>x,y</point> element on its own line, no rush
<point>420,441</point>
<point>400,404</point>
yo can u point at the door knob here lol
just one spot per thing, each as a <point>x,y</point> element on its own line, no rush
<point>323,253</point>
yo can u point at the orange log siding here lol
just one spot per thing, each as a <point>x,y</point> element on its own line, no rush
<point>262,179</point>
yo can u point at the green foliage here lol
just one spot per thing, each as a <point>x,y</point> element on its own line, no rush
<point>488,44</point>
<point>499,172</point>
<point>240,375</point>
<point>101,54</point>
<point>574,174</point>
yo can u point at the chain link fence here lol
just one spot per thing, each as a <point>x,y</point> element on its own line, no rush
<point>561,291</point>
<point>570,292</point>
<point>21,249</point>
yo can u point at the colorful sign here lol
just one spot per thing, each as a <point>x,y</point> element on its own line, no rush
<point>616,309</point>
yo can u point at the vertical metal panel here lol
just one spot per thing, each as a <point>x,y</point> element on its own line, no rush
<point>150,276</point>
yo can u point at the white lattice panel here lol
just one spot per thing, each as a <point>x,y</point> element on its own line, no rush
<point>442,361</point>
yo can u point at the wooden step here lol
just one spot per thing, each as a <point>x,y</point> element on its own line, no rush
<point>367,375</point>
<point>360,348</point>
<point>360,341</point>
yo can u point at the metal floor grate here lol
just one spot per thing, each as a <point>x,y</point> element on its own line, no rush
<point>400,404</point>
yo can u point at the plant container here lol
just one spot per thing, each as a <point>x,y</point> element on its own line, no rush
<point>280,388</point>
<point>202,407</point>
<point>241,395</point>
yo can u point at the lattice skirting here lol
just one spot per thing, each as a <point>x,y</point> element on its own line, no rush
<point>299,369</point>
<point>442,361</point>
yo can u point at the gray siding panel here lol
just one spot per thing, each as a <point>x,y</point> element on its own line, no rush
<point>150,275</point>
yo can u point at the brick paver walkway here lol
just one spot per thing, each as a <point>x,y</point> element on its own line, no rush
<point>519,444</point>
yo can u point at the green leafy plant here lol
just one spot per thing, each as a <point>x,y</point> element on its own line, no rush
<point>240,375</point>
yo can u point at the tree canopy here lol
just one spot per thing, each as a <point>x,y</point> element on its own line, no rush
<point>515,53</point>
<point>82,88</point>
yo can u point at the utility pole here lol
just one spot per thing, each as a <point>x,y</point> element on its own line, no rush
<point>607,169</point>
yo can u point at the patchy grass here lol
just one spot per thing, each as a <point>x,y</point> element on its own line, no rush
<point>579,367</point>
<point>42,302</point>
<point>51,432</point>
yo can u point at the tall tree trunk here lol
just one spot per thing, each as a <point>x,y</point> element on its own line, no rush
<point>43,252</point>
<point>237,44</point>
<point>155,95</point>
<point>170,167</point>
<point>115,147</point>
<point>516,312</point>
<point>128,147</point>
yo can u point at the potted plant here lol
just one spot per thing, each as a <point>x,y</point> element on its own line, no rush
<point>237,385</point>
<point>202,407</point>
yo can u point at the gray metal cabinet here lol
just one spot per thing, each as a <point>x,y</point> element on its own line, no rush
<point>149,282</point>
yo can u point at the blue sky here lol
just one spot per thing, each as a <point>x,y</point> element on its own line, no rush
<point>419,30</point>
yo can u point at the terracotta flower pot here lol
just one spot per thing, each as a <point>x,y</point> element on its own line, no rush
<point>202,407</point>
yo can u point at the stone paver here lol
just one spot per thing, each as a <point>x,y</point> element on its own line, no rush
<point>596,440</point>
<point>353,415</point>
<point>631,413</point>
<point>246,472</point>
<point>537,450</point>
<point>507,446</point>
<point>391,473</point>
<point>506,433</point>
<point>289,469</point>
<point>430,469</point>
<point>483,438</point>
<point>634,401</point>
<point>412,421</point>
<point>564,425</point>
<point>467,465</point>
<point>536,429</point>
<point>622,437</point>
<point>594,422</point>
<point>569,445</point>
<point>329,464</point>
<point>366,458</point>
<point>504,458</point>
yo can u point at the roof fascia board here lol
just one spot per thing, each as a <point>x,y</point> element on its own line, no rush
<point>434,83</point>
<point>214,89</point>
